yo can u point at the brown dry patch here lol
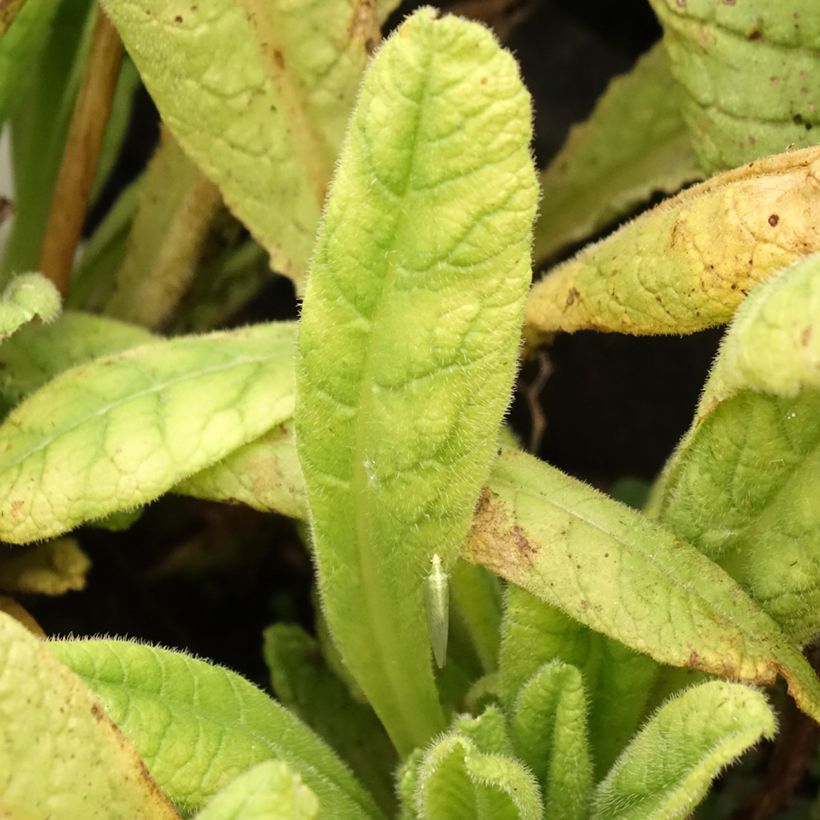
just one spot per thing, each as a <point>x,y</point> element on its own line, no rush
<point>364,25</point>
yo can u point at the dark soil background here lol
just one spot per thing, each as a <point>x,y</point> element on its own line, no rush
<point>209,578</point>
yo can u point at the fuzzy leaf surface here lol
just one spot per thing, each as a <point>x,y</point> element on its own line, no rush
<point>749,73</point>
<point>421,267</point>
<point>121,430</point>
<point>635,142</point>
<point>265,121</point>
<point>742,485</point>
<point>26,297</point>
<point>687,264</point>
<point>198,726</point>
<point>267,791</point>
<point>668,768</point>
<point>60,754</point>
<point>612,569</point>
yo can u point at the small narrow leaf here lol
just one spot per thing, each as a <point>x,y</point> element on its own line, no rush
<point>177,206</point>
<point>121,430</point>
<point>305,685</point>
<point>750,75</point>
<point>743,482</point>
<point>612,569</point>
<point>548,727</point>
<point>687,264</point>
<point>51,568</point>
<point>417,285</point>
<point>27,296</point>
<point>264,123</point>
<point>198,726</point>
<point>60,755</point>
<point>633,144</point>
<point>267,791</point>
<point>668,768</point>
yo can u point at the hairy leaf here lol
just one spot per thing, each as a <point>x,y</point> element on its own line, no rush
<point>750,74</point>
<point>265,121</point>
<point>743,484</point>
<point>267,791</point>
<point>177,205</point>
<point>612,569</point>
<point>408,339</point>
<point>688,263</point>
<point>667,769</point>
<point>51,568</point>
<point>123,429</point>
<point>305,685</point>
<point>616,679</point>
<point>198,726</point>
<point>634,143</point>
<point>27,296</point>
<point>548,727</point>
<point>60,755</point>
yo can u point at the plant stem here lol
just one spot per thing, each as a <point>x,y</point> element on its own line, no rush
<point>85,136</point>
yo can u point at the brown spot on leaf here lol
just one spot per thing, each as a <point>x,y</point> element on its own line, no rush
<point>572,295</point>
<point>773,220</point>
<point>17,507</point>
<point>97,711</point>
<point>279,59</point>
<point>805,336</point>
<point>178,18</point>
<point>755,34</point>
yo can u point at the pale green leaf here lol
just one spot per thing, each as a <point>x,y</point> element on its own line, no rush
<point>123,429</point>
<point>548,727</point>
<point>198,726</point>
<point>668,768</point>
<point>621,574</point>
<point>744,482</point>
<point>265,121</point>
<point>26,297</point>
<point>51,568</point>
<point>60,755</point>
<point>749,73</point>
<point>177,206</point>
<point>476,597</point>
<point>488,731</point>
<point>687,264</point>
<point>406,783</point>
<point>457,781</point>
<point>633,144</point>
<point>267,791</point>
<point>305,685</point>
<point>408,339</point>
<point>616,679</point>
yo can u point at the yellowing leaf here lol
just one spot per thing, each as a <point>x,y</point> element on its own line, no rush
<point>265,120</point>
<point>60,755</point>
<point>51,568</point>
<point>408,339</point>
<point>687,264</point>
<point>612,569</point>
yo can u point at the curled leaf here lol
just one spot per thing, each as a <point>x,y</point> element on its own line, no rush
<point>51,568</point>
<point>687,264</point>
<point>27,296</point>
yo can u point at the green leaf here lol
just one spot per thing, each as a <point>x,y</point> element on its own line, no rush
<point>749,72</point>
<point>305,685</point>
<point>457,781</point>
<point>616,679</point>
<point>198,726</point>
<point>177,206</point>
<point>476,596</point>
<point>687,264</point>
<point>668,768</point>
<point>264,123</point>
<point>59,753</point>
<point>548,727</point>
<point>612,569</point>
<point>743,483</point>
<point>27,296</point>
<point>417,286</point>
<point>123,429</point>
<point>268,791</point>
<point>634,143</point>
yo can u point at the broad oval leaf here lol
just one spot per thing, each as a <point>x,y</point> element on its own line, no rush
<point>750,74</point>
<point>612,569</point>
<point>265,121</point>
<point>687,264</point>
<point>123,429</point>
<point>267,791</point>
<point>743,483</point>
<point>408,339</point>
<point>60,754</point>
<point>668,768</point>
<point>198,726</point>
